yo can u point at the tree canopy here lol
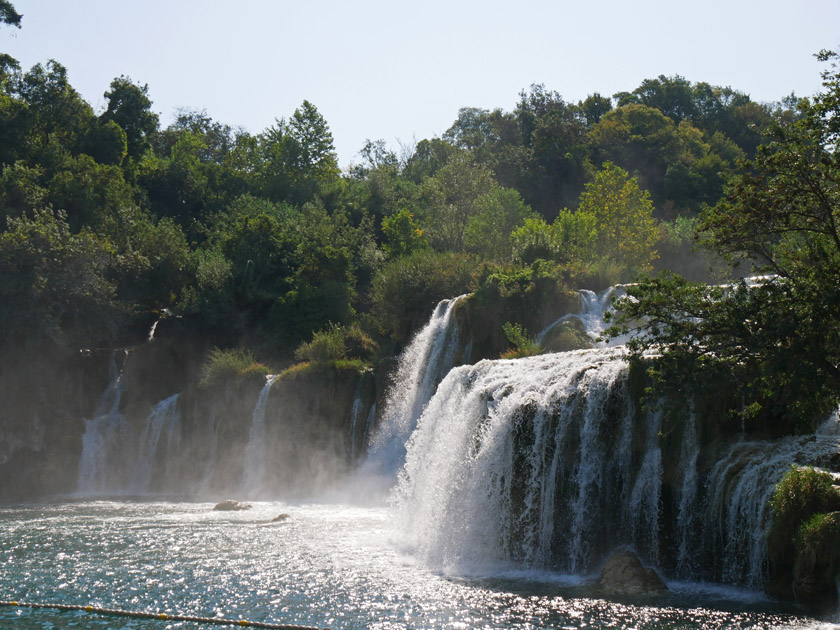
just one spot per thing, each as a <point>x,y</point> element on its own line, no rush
<point>773,343</point>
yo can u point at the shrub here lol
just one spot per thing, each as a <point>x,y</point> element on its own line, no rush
<point>524,346</point>
<point>326,345</point>
<point>800,495</point>
<point>818,544</point>
<point>227,365</point>
<point>406,290</point>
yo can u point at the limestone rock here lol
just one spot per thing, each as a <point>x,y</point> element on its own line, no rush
<point>623,574</point>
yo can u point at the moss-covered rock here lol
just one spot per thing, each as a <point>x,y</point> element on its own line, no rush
<point>804,540</point>
<point>567,335</point>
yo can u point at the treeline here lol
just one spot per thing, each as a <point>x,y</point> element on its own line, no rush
<point>108,219</point>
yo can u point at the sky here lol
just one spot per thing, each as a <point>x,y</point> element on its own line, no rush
<point>397,71</point>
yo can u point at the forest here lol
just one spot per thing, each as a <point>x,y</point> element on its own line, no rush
<point>265,247</point>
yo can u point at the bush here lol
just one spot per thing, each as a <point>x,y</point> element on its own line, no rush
<point>523,345</point>
<point>799,496</point>
<point>326,345</point>
<point>228,365</point>
<point>818,544</point>
<point>406,290</point>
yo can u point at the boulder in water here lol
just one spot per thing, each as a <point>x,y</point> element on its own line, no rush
<point>280,518</point>
<point>623,574</point>
<point>232,506</point>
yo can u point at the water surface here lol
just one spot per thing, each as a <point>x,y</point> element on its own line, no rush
<point>329,565</point>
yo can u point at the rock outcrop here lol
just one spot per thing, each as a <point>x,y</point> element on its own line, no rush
<point>624,574</point>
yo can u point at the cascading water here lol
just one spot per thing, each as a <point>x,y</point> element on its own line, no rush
<point>593,306</point>
<point>253,478</point>
<point>738,489</point>
<point>101,439</point>
<point>355,412</point>
<point>427,359</point>
<point>513,461</point>
<point>163,420</point>
<point>546,462</point>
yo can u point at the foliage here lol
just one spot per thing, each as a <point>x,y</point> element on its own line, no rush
<point>262,235</point>
<point>406,290</point>
<point>8,15</point>
<point>801,493</point>
<point>775,343</point>
<point>402,236</point>
<point>523,345</point>
<point>130,107</point>
<point>806,525</point>
<point>336,345</point>
<point>623,218</point>
<point>53,280</point>
<point>453,197</point>
<point>488,233</point>
<point>222,366</point>
<point>326,345</point>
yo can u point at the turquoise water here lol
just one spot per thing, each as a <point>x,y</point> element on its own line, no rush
<point>328,565</point>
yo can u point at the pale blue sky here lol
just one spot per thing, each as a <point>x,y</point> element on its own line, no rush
<point>390,70</point>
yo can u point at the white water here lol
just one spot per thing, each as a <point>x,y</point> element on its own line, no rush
<point>253,478</point>
<point>163,420</point>
<point>593,306</point>
<point>544,463</point>
<point>422,365</point>
<point>101,440</point>
<point>739,487</point>
<point>475,490</point>
<point>355,412</point>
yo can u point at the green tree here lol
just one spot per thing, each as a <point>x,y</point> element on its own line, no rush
<point>488,232</point>
<point>309,130</point>
<point>8,15</point>
<point>623,216</point>
<point>130,107</point>
<point>453,197</point>
<point>402,235</point>
<point>54,283</point>
<point>774,344</point>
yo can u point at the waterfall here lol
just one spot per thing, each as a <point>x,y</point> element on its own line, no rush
<point>426,360</point>
<point>206,481</point>
<point>164,419</point>
<point>511,462</point>
<point>593,306</point>
<point>545,462</point>
<point>253,478</point>
<point>355,412</point>
<point>101,440</point>
<point>687,516</point>
<point>738,489</point>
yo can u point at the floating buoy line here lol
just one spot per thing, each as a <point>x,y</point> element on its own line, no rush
<point>219,621</point>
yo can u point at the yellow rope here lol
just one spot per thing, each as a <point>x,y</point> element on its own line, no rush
<point>161,616</point>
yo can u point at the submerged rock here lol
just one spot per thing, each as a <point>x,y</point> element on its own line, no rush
<point>232,506</point>
<point>280,518</point>
<point>623,574</point>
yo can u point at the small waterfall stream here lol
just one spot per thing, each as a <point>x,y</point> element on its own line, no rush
<point>101,440</point>
<point>253,478</point>
<point>593,306</point>
<point>163,420</point>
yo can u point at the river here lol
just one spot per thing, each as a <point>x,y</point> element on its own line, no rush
<point>330,564</point>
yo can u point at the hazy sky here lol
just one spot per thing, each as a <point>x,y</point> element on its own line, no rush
<point>398,71</point>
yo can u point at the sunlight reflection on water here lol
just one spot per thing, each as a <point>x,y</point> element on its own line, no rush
<point>328,565</point>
